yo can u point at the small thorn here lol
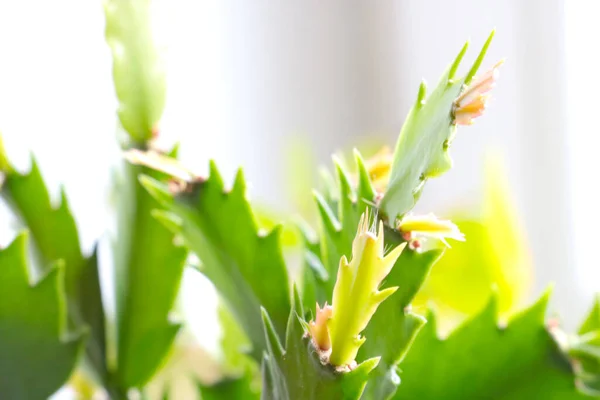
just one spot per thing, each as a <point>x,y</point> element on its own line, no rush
<point>422,94</point>
<point>456,63</point>
<point>480,58</point>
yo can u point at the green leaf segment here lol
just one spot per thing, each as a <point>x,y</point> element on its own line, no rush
<point>138,68</point>
<point>422,148</point>
<point>246,265</point>
<point>55,238</point>
<point>481,360</point>
<point>339,218</point>
<point>149,265</point>
<point>38,355</point>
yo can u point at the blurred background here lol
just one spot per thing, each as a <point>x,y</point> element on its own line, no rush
<point>276,87</point>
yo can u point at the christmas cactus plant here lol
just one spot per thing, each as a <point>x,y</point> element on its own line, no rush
<point>341,328</point>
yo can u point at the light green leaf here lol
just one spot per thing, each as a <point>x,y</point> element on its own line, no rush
<point>138,66</point>
<point>422,148</point>
<point>338,222</point>
<point>149,266</point>
<point>235,345</point>
<point>481,360</point>
<point>4,163</point>
<point>245,265</point>
<point>37,356</point>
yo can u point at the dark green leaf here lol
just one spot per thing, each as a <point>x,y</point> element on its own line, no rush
<point>37,357</point>
<point>55,237</point>
<point>149,267</point>
<point>89,309</point>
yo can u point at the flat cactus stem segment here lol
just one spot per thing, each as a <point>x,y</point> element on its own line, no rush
<point>138,67</point>
<point>422,148</point>
<point>356,295</point>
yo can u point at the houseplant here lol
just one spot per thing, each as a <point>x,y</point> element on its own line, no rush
<point>342,328</point>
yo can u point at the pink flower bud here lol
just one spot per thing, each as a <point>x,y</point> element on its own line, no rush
<point>474,99</point>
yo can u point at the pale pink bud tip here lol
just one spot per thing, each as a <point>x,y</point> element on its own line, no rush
<point>474,99</point>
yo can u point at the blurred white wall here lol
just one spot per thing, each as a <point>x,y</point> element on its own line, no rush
<point>583,140</point>
<point>246,78</point>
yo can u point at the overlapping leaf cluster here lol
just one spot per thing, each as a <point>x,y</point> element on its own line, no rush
<point>38,322</point>
<point>203,215</point>
<point>46,321</point>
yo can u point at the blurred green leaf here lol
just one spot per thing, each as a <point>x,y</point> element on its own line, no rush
<point>592,321</point>
<point>315,276</point>
<point>338,222</point>
<point>55,237</point>
<point>268,219</point>
<point>584,349</point>
<point>422,148</point>
<point>235,345</point>
<point>296,372</point>
<point>4,163</point>
<point>149,266</point>
<point>37,357</point>
<point>480,360</point>
<point>495,253</point>
<point>245,265</point>
<point>243,387</point>
<point>138,67</point>
<point>52,226</point>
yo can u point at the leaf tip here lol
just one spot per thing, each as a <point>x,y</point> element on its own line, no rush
<point>479,58</point>
<point>171,221</point>
<point>422,94</point>
<point>457,61</point>
<point>158,190</point>
<point>214,174</point>
<point>239,183</point>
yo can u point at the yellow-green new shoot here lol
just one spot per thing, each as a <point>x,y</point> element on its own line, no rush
<point>356,295</point>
